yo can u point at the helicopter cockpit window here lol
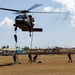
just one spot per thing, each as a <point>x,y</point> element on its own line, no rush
<point>21,17</point>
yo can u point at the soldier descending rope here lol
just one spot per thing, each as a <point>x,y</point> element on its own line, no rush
<point>15,37</point>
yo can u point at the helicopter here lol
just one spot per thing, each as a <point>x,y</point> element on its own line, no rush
<point>24,21</point>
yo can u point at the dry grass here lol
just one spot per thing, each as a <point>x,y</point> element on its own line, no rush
<point>51,65</point>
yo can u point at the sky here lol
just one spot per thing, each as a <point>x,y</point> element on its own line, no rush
<point>58,28</point>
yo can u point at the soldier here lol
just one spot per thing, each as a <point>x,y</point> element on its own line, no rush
<point>30,58</point>
<point>15,37</point>
<point>31,19</point>
<point>34,58</point>
<point>14,58</point>
<point>70,58</point>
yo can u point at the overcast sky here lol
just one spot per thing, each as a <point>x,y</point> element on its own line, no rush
<point>58,28</point>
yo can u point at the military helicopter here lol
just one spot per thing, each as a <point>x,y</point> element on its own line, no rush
<point>24,21</point>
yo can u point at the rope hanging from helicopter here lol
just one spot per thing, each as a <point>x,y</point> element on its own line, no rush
<point>31,21</point>
<point>31,42</point>
<point>15,37</point>
<point>16,40</point>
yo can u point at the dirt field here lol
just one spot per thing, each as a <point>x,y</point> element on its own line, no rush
<point>51,65</point>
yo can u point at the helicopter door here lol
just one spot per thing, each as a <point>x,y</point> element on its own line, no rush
<point>31,21</point>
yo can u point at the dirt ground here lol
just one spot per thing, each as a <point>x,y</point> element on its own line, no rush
<point>51,65</point>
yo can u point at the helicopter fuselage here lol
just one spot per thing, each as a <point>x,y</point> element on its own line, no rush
<point>24,22</point>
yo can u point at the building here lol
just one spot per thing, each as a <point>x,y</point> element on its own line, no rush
<point>19,51</point>
<point>8,51</point>
<point>11,51</point>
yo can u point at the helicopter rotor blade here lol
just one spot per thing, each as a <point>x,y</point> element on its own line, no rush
<point>10,9</point>
<point>28,11</point>
<point>47,12</point>
<point>34,6</point>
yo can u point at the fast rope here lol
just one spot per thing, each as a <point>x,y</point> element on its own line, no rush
<point>31,42</point>
<point>16,40</point>
<point>15,37</point>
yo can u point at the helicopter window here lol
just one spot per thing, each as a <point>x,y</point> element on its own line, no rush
<point>21,17</point>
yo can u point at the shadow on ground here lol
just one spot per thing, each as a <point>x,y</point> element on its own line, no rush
<point>6,64</point>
